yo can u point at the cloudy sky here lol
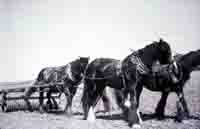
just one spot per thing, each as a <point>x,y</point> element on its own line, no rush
<point>40,33</point>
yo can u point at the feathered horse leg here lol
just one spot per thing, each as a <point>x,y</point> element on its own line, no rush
<point>160,109</point>
<point>182,108</point>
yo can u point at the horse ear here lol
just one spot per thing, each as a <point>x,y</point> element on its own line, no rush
<point>132,50</point>
<point>161,40</point>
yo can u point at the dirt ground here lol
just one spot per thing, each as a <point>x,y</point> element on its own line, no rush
<point>22,119</point>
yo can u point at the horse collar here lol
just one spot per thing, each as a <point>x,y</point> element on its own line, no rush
<point>140,66</point>
<point>69,72</point>
<point>180,72</point>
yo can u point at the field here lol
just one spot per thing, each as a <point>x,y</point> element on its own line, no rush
<point>22,119</point>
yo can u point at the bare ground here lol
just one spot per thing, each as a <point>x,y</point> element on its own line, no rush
<point>22,119</point>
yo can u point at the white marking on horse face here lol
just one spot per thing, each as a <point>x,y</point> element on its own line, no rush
<point>127,102</point>
<point>91,116</point>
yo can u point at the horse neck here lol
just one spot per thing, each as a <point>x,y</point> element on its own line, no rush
<point>148,56</point>
<point>76,66</point>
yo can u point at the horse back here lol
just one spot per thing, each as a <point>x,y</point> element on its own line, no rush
<point>102,67</point>
<point>51,74</point>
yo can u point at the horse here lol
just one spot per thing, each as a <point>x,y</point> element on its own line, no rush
<point>123,75</point>
<point>170,78</point>
<point>70,76</point>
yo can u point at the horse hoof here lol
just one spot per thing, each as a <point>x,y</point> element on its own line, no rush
<point>91,116</point>
<point>160,117</point>
<point>136,126</point>
<point>41,110</point>
<point>68,114</point>
<point>107,113</point>
<point>30,109</point>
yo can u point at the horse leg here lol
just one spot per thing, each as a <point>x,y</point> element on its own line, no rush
<point>55,103</point>
<point>41,99</point>
<point>92,93</point>
<point>86,97</point>
<point>160,109</point>
<point>131,102</point>
<point>182,108</point>
<point>72,91</point>
<point>49,104</point>
<point>106,101</point>
<point>26,96</point>
<point>94,100</point>
<point>67,93</point>
<point>138,93</point>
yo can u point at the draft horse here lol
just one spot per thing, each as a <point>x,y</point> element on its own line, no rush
<point>70,74</point>
<point>169,78</point>
<point>125,76</point>
<point>183,67</point>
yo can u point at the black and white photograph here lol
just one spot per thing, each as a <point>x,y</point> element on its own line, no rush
<point>99,64</point>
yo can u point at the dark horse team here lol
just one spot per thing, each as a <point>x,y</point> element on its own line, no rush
<point>127,77</point>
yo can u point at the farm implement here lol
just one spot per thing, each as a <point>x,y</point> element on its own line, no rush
<point>15,94</point>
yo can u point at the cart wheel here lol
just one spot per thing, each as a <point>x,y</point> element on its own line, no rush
<point>4,106</point>
<point>62,102</point>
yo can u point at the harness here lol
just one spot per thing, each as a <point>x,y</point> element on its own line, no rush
<point>180,73</point>
<point>140,66</point>
<point>163,71</point>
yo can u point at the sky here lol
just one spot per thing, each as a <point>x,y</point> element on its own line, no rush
<point>42,33</point>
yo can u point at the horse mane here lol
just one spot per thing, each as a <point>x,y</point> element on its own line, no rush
<point>148,47</point>
<point>144,49</point>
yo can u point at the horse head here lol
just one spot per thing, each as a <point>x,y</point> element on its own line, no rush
<point>164,52</point>
<point>83,63</point>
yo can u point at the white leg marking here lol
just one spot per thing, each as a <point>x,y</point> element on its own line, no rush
<point>127,102</point>
<point>91,116</point>
<point>140,119</point>
<point>136,126</point>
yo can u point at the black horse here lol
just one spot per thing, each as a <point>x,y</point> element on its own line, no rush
<point>185,64</point>
<point>125,76</point>
<point>70,75</point>
<point>169,78</point>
